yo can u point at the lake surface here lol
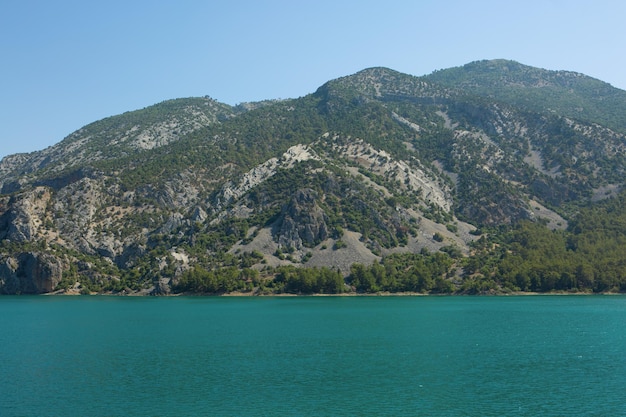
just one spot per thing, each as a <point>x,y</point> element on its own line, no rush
<point>313,356</point>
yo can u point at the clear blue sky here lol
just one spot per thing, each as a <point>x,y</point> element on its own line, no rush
<point>64,64</point>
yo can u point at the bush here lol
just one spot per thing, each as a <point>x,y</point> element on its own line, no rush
<point>339,244</point>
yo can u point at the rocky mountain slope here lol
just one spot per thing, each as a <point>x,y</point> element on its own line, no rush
<point>370,166</point>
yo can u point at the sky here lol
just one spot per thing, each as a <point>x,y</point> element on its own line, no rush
<point>67,63</point>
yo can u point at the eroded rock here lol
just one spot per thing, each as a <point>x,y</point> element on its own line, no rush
<point>30,273</point>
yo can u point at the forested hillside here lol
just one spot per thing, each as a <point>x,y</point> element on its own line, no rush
<point>493,177</point>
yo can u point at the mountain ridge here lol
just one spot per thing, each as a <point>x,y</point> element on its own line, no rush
<point>585,97</point>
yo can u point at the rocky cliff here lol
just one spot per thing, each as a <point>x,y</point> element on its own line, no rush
<point>30,273</point>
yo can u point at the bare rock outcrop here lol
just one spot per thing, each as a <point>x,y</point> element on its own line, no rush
<point>162,287</point>
<point>29,273</point>
<point>23,215</point>
<point>304,223</point>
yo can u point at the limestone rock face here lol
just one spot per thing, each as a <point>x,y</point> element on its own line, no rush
<point>19,222</point>
<point>304,223</point>
<point>29,273</point>
<point>161,287</point>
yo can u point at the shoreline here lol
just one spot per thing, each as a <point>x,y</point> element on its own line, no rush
<point>346,294</point>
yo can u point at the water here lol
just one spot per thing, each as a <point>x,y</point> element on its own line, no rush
<point>313,356</point>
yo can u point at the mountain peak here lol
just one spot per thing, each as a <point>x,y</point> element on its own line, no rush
<point>376,83</point>
<point>567,93</point>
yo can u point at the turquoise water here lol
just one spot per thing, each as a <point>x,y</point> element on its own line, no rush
<point>313,356</point>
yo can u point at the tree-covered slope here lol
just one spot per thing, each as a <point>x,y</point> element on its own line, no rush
<point>115,138</point>
<point>377,181</point>
<point>564,93</point>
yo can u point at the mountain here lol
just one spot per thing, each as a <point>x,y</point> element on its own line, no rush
<point>377,181</point>
<point>565,93</point>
